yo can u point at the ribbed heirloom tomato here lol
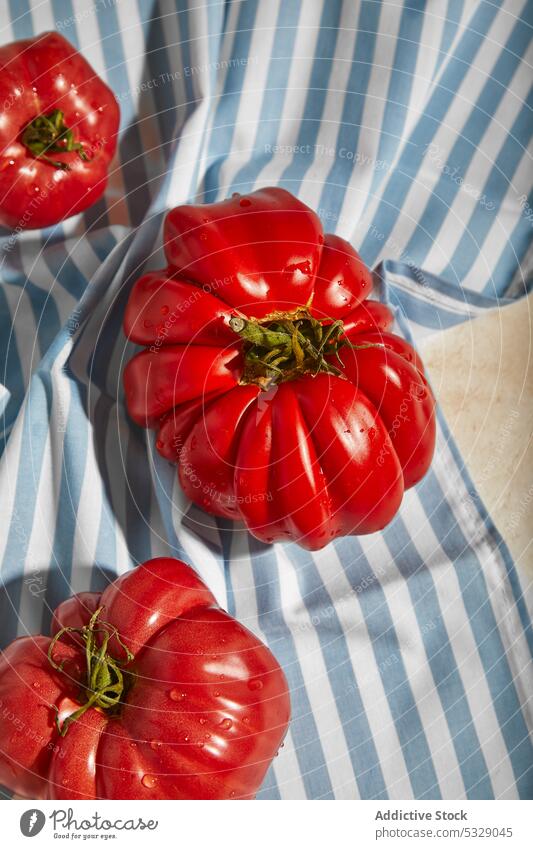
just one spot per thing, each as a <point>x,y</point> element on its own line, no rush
<point>58,132</point>
<point>147,691</point>
<point>271,379</point>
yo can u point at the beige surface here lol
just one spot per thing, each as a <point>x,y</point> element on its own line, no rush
<point>482,374</point>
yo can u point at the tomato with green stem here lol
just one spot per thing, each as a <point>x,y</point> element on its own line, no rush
<point>58,132</point>
<point>148,690</point>
<point>273,381</point>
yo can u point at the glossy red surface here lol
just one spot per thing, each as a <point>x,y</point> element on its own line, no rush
<point>37,76</point>
<point>308,459</point>
<point>206,710</point>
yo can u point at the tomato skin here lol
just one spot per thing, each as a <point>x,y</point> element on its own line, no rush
<point>307,459</point>
<point>37,76</point>
<point>206,710</point>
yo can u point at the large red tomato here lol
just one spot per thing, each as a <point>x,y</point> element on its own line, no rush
<point>58,132</point>
<point>272,381</point>
<point>147,691</point>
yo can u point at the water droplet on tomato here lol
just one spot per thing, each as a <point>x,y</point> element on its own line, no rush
<point>186,738</point>
<point>245,202</point>
<point>255,684</point>
<point>147,322</point>
<point>64,782</point>
<point>203,237</point>
<point>177,695</point>
<point>202,720</point>
<point>148,781</point>
<point>200,744</point>
<point>207,736</point>
<point>164,309</point>
<point>155,745</point>
<point>246,720</point>
<point>232,794</point>
<point>216,694</point>
<point>226,723</point>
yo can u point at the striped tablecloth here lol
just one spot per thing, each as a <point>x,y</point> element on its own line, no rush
<point>406,125</point>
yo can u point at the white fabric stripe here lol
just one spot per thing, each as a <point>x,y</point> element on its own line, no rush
<point>413,655</point>
<point>46,482</point>
<point>22,317</point>
<point>465,651</point>
<point>363,662</point>
<point>286,767</point>
<point>318,687</point>
<point>90,39</point>
<point>251,99</point>
<point>298,84</point>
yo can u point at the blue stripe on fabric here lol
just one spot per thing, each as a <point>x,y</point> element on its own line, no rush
<point>338,177</point>
<point>516,247</point>
<point>225,528</point>
<point>20,18</point>
<point>454,10</point>
<point>65,272</point>
<point>404,711</point>
<point>45,310</point>
<point>273,97</point>
<point>441,659</point>
<point>12,376</point>
<point>158,68</point>
<point>315,101</point>
<point>399,88</point>
<point>163,483</point>
<point>398,185</point>
<point>430,220</point>
<point>74,456</point>
<point>216,24</point>
<point>495,188</point>
<point>308,748</point>
<point>34,438</point>
<point>130,147</point>
<point>421,277</point>
<point>225,118</point>
<point>492,531</point>
<point>357,732</point>
<point>484,627</point>
<point>480,506</point>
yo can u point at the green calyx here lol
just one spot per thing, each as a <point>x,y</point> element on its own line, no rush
<point>287,345</point>
<point>106,678</point>
<point>49,134</point>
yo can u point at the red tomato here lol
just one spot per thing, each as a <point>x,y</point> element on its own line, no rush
<point>184,704</point>
<point>57,135</point>
<point>272,381</point>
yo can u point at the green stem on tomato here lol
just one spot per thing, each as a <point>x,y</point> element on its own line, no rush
<point>105,675</point>
<point>49,134</point>
<point>286,345</point>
